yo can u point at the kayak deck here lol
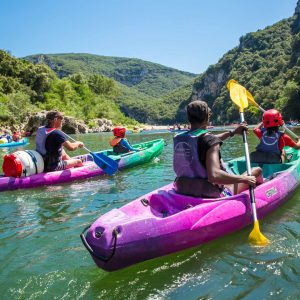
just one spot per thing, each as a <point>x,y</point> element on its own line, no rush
<point>23,142</point>
<point>163,222</point>
<point>89,169</point>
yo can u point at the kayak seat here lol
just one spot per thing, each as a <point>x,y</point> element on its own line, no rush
<point>270,169</point>
<point>108,153</point>
<point>161,207</point>
<point>167,203</point>
<point>239,167</point>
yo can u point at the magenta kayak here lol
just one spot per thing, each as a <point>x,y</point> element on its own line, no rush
<point>162,221</point>
<point>149,151</point>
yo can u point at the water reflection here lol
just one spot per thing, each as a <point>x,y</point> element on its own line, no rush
<point>42,255</point>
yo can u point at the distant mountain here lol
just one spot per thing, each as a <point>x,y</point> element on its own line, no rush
<point>27,88</point>
<point>266,62</point>
<point>146,77</point>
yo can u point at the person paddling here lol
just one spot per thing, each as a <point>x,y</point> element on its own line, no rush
<point>50,141</point>
<point>197,159</point>
<point>6,136</point>
<point>119,142</point>
<point>16,136</point>
<point>272,140</point>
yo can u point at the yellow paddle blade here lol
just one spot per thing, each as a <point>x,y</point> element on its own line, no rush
<point>256,237</point>
<point>229,82</point>
<point>238,94</point>
<point>250,98</point>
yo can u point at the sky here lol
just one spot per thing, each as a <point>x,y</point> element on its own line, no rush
<point>188,35</point>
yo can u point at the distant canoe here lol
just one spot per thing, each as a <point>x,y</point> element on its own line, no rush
<point>22,142</point>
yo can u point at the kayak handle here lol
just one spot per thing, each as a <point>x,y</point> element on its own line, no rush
<point>92,252</point>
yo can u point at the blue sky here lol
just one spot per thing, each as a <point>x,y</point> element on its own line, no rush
<point>188,35</point>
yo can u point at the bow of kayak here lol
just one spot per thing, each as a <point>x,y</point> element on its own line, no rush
<point>162,221</point>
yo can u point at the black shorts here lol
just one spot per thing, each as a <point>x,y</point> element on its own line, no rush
<point>58,167</point>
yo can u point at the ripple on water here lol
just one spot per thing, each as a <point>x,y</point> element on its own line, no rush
<point>43,258</point>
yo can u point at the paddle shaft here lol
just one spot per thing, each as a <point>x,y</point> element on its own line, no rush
<point>107,164</point>
<point>76,141</point>
<point>248,165</point>
<point>285,128</point>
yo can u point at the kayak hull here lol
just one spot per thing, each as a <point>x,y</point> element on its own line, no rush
<point>23,142</point>
<point>89,169</point>
<point>164,222</point>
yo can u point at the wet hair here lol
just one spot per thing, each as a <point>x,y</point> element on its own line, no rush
<point>51,115</point>
<point>197,111</point>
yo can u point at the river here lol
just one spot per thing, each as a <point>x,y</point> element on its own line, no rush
<point>42,256</point>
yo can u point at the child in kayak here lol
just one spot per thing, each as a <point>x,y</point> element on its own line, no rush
<point>16,136</point>
<point>270,149</point>
<point>197,159</point>
<point>6,136</point>
<point>119,142</point>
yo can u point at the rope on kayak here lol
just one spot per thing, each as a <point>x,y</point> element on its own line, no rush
<point>34,161</point>
<point>92,252</point>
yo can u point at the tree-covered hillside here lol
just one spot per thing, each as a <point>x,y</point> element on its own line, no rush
<point>149,78</point>
<point>267,63</point>
<point>25,88</point>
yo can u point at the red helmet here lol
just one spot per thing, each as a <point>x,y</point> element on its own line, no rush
<point>119,132</point>
<point>272,118</point>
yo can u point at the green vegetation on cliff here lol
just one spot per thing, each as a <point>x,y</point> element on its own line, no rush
<point>266,62</point>
<point>143,87</point>
<point>151,79</point>
<point>25,87</point>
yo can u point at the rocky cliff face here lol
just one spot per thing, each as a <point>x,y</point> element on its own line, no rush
<point>70,125</point>
<point>264,56</point>
<point>296,25</point>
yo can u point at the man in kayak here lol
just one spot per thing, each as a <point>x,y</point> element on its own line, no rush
<point>50,141</point>
<point>119,142</point>
<point>197,161</point>
<point>270,149</point>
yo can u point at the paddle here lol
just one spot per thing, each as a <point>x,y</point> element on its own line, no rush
<point>239,96</point>
<point>252,101</point>
<point>104,162</point>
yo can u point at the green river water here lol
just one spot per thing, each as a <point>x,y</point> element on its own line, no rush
<point>41,255</point>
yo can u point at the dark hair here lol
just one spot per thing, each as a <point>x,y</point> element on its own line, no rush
<point>51,115</point>
<point>197,111</point>
<point>272,130</point>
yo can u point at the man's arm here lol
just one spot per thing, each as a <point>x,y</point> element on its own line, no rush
<point>72,146</point>
<point>218,176</point>
<point>239,130</point>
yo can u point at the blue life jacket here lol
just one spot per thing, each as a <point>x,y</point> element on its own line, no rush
<point>186,161</point>
<point>269,143</point>
<point>41,136</point>
<point>7,136</point>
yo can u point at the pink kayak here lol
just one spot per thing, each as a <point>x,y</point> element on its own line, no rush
<point>163,221</point>
<point>89,169</point>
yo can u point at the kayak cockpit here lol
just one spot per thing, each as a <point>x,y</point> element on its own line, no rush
<point>166,203</point>
<point>238,166</point>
